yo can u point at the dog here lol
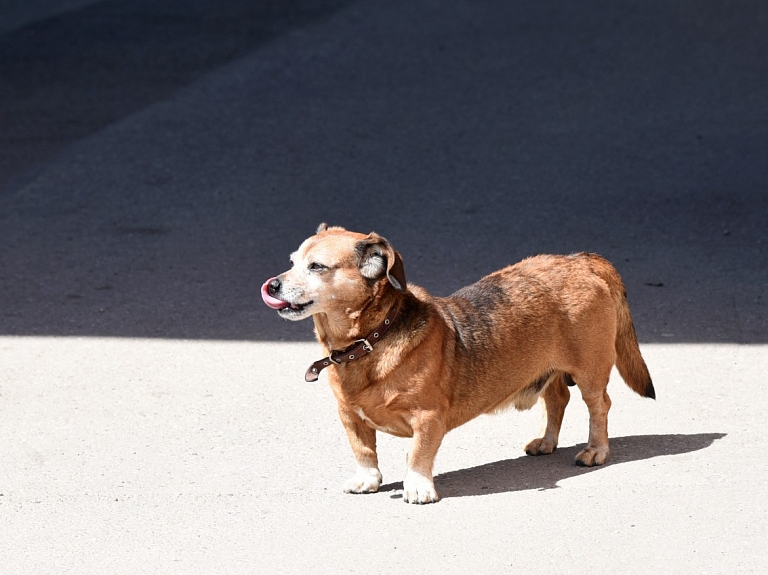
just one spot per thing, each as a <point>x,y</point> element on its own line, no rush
<point>404,362</point>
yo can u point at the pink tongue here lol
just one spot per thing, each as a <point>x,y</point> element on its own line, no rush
<point>272,302</point>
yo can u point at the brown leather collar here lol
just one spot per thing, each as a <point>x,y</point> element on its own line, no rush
<point>358,349</point>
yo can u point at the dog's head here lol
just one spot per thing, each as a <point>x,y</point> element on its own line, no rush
<point>334,271</point>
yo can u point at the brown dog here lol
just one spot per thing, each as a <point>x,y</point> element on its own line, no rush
<point>414,365</point>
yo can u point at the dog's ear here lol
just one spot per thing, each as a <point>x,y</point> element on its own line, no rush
<point>376,256</point>
<point>325,227</point>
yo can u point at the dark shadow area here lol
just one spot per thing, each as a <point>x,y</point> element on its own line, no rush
<point>545,472</point>
<point>70,75</point>
<point>471,135</point>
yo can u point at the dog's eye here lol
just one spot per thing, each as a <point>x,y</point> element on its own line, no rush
<point>316,267</point>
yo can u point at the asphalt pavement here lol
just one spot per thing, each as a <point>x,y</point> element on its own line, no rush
<point>160,160</point>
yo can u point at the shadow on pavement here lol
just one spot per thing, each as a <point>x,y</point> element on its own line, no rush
<point>470,135</point>
<point>69,75</point>
<point>545,472</point>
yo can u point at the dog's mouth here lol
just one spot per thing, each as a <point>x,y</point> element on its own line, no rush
<point>294,309</point>
<point>283,307</point>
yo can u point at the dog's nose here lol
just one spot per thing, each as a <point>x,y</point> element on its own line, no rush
<point>274,287</point>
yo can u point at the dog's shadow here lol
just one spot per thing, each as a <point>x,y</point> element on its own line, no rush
<point>544,472</point>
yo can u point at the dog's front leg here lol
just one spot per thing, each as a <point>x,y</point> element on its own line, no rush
<point>428,433</point>
<point>362,439</point>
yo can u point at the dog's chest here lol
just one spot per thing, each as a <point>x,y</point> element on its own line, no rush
<point>381,425</point>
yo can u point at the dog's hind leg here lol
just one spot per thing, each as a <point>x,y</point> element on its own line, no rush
<point>362,439</point>
<point>555,397</point>
<point>597,451</point>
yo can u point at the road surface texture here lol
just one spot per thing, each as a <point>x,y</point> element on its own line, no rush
<point>159,160</point>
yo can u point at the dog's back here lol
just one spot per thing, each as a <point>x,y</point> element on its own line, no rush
<point>516,327</point>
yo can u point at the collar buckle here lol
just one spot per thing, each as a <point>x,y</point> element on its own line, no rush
<point>366,346</point>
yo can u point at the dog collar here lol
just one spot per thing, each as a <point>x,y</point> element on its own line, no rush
<point>358,349</point>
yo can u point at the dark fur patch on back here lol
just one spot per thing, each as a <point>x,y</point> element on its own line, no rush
<point>472,309</point>
<point>483,295</point>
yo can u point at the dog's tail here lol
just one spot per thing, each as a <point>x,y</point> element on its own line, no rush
<point>629,361</point>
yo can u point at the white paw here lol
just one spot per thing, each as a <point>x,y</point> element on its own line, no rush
<point>365,480</point>
<point>418,488</point>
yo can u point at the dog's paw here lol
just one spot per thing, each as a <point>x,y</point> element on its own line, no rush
<point>591,456</point>
<point>365,480</point>
<point>418,489</point>
<point>540,446</point>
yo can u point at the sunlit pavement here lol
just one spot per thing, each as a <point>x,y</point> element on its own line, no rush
<point>130,456</point>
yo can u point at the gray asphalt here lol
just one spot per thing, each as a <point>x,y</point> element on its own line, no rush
<point>160,160</point>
